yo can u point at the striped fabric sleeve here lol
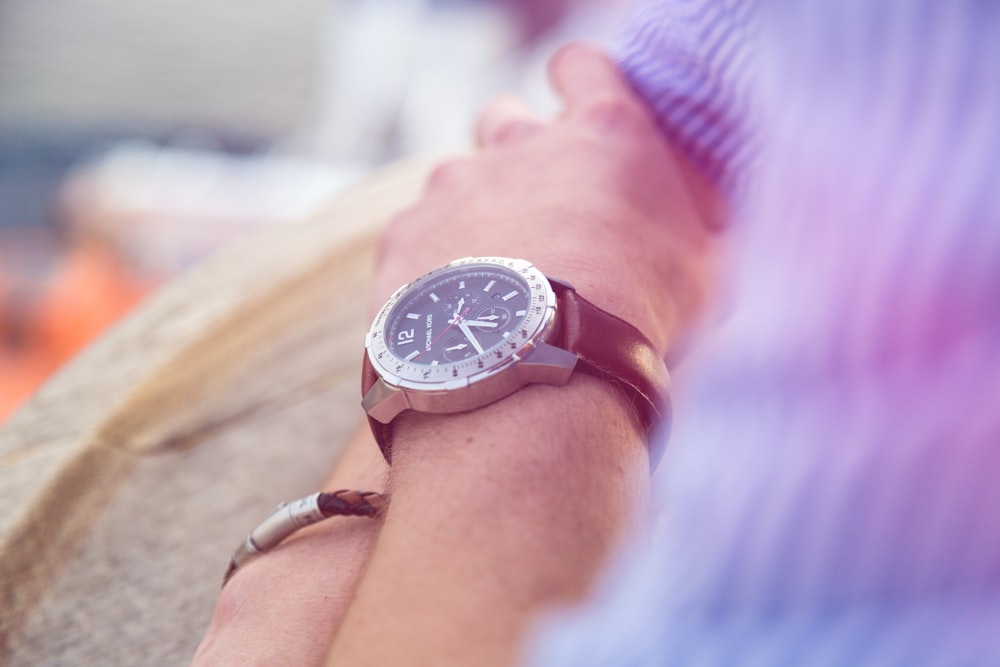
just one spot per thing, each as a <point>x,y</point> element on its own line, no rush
<point>687,59</point>
<point>830,493</point>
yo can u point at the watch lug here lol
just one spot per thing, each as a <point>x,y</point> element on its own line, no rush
<point>547,364</point>
<point>383,402</point>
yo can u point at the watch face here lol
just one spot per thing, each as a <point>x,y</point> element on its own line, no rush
<point>462,322</point>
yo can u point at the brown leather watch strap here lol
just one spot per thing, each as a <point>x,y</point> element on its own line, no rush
<point>610,348</point>
<point>607,347</point>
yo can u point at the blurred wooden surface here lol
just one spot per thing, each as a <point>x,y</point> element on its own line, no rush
<point>129,479</point>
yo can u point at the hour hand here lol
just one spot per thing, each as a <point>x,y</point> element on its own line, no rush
<point>480,323</point>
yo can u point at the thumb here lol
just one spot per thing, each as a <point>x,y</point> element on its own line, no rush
<point>585,76</point>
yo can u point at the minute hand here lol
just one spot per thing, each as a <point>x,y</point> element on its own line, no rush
<point>464,326</point>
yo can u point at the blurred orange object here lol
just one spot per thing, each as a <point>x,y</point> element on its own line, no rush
<point>55,297</point>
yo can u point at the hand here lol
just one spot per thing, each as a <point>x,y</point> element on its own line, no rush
<point>595,197</point>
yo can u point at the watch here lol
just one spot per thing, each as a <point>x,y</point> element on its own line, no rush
<point>481,328</point>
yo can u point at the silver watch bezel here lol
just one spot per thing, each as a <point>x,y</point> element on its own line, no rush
<point>398,373</point>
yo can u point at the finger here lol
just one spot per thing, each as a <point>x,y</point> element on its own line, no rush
<point>583,72</point>
<point>506,119</point>
<point>591,84</point>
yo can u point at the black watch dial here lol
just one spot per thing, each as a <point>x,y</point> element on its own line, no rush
<point>461,323</point>
<point>457,315</point>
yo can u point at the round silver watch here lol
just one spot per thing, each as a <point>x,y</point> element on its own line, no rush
<point>480,328</point>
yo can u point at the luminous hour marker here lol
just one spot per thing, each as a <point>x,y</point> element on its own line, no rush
<point>413,316</point>
<point>411,355</point>
<point>489,285</point>
<point>461,285</point>
<point>508,297</point>
<point>434,363</point>
<point>434,297</point>
<point>521,313</point>
<point>506,333</point>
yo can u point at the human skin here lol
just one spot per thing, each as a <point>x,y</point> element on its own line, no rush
<point>511,509</point>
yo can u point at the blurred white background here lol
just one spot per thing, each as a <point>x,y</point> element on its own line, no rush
<point>338,87</point>
<point>137,137</point>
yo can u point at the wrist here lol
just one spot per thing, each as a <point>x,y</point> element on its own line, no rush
<point>658,285</point>
<point>482,328</point>
<point>539,431</point>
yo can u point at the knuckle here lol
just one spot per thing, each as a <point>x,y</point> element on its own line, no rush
<point>503,118</point>
<point>510,131</point>
<point>448,174</point>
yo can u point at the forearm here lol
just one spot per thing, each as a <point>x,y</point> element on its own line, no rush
<point>497,514</point>
<point>285,605</point>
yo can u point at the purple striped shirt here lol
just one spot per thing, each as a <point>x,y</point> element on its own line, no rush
<point>831,493</point>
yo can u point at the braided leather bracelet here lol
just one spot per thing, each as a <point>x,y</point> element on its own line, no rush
<point>290,517</point>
